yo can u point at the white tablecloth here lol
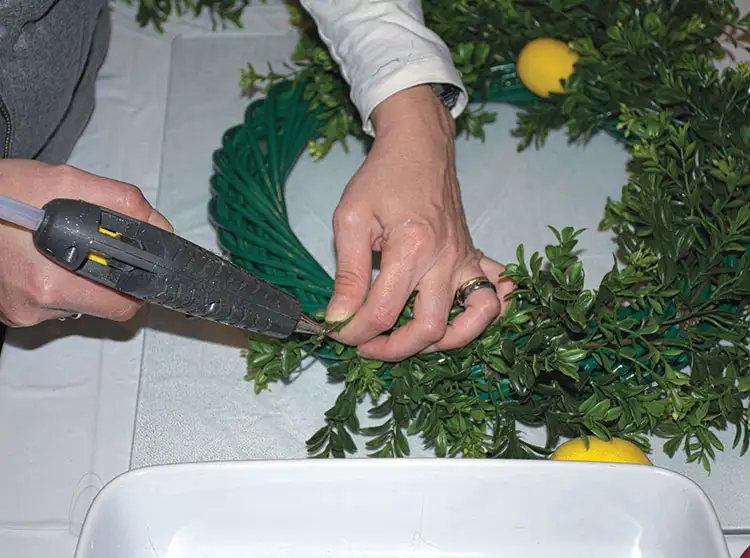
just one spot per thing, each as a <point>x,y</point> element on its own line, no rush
<point>69,391</point>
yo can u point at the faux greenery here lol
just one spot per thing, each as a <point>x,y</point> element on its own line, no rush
<point>660,347</point>
<point>156,13</point>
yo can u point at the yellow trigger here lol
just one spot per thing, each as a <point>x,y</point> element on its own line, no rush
<point>98,258</point>
<point>108,232</point>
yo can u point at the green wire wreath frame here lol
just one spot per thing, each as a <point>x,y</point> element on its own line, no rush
<point>248,207</point>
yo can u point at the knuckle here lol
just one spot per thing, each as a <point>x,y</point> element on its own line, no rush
<point>67,177</point>
<point>433,331</point>
<point>451,254</point>
<point>384,318</point>
<point>18,315</point>
<point>15,320</point>
<point>418,237</point>
<point>41,291</point>
<point>348,280</point>
<point>495,306</point>
<point>418,233</point>
<point>345,218</point>
<point>491,309</point>
<point>132,198</point>
<point>26,291</point>
<point>22,320</point>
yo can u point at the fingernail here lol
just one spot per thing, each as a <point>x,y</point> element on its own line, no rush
<point>364,353</point>
<point>336,311</point>
<point>429,350</point>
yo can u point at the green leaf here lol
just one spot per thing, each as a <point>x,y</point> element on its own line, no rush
<point>386,452</point>
<point>570,370</point>
<point>714,440</point>
<point>346,440</point>
<point>290,360</point>
<point>401,414</point>
<point>573,355</point>
<point>402,443</point>
<point>376,430</point>
<point>672,445</point>
<point>599,431</point>
<point>599,411</point>
<point>379,441</point>
<point>319,437</point>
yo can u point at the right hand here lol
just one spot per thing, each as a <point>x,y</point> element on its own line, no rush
<point>405,202</point>
<point>34,289</point>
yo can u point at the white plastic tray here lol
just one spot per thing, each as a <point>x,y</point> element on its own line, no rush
<point>397,508</point>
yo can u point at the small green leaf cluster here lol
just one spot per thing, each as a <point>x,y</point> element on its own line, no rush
<point>156,13</point>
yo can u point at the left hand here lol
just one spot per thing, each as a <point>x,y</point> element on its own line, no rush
<point>405,202</point>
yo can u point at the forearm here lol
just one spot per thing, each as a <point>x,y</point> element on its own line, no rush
<point>383,48</point>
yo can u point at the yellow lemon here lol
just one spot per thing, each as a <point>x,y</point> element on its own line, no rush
<point>615,450</point>
<point>543,64</point>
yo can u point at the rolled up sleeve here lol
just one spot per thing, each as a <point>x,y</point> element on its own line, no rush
<point>383,47</point>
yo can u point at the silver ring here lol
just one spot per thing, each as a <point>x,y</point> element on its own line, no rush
<point>472,285</point>
<point>72,317</point>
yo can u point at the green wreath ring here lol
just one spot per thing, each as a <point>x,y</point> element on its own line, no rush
<point>658,349</point>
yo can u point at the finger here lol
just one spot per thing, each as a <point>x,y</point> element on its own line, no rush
<point>124,198</point>
<point>503,285</point>
<point>113,194</point>
<point>33,317</point>
<point>431,310</point>
<point>480,309</point>
<point>353,266</point>
<point>158,220</point>
<point>87,297</point>
<point>71,293</point>
<point>402,266</point>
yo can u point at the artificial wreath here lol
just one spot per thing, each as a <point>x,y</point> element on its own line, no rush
<point>659,348</point>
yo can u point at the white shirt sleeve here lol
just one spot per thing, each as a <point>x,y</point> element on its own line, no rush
<point>383,47</point>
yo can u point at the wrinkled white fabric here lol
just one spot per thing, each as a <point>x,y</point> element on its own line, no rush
<point>383,48</point>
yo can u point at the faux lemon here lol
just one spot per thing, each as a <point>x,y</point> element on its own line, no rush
<point>543,64</point>
<point>615,450</point>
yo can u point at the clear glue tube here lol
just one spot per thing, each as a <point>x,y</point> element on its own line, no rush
<point>19,213</point>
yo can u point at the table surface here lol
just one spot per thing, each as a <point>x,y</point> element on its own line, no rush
<point>92,400</point>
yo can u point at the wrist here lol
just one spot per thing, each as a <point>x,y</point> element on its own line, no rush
<point>417,109</point>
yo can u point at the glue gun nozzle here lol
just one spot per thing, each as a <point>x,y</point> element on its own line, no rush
<point>309,326</point>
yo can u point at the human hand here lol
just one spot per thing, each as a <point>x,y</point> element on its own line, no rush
<point>405,202</point>
<point>34,289</point>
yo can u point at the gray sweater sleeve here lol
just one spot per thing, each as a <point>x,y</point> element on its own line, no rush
<point>50,52</point>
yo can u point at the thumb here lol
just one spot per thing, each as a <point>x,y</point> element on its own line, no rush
<point>353,273</point>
